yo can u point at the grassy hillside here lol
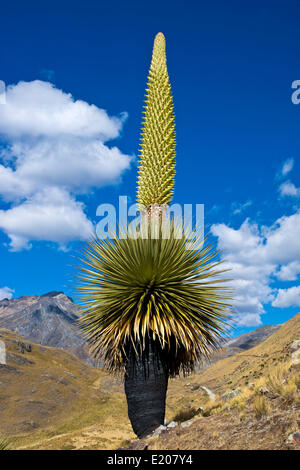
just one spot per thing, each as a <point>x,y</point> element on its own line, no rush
<point>257,418</point>
<point>49,399</point>
<point>235,371</point>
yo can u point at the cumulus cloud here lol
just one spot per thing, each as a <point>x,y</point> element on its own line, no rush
<point>248,320</point>
<point>50,214</point>
<point>287,297</point>
<point>54,149</point>
<point>282,244</point>
<point>73,163</point>
<point>237,241</point>
<point>37,108</point>
<point>256,256</point>
<point>6,293</point>
<point>289,272</point>
<point>289,189</point>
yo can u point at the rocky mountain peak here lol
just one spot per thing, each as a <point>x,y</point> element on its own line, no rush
<point>49,319</point>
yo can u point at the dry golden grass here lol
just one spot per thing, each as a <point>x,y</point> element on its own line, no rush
<point>283,382</point>
<point>239,402</point>
<point>253,365</point>
<point>267,365</point>
<point>237,424</point>
<point>277,378</point>
<point>56,401</point>
<point>261,406</point>
<point>185,414</point>
<point>290,391</point>
<point>71,414</point>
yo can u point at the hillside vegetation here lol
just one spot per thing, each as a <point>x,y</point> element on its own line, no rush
<point>256,404</point>
<point>49,399</point>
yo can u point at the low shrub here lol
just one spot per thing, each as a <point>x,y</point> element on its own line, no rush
<point>261,406</point>
<point>185,414</point>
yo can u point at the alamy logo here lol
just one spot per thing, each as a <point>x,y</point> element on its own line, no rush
<point>296,95</point>
<point>2,92</point>
<point>134,221</point>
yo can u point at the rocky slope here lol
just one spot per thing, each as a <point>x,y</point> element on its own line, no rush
<point>49,320</point>
<point>250,340</point>
<point>241,343</point>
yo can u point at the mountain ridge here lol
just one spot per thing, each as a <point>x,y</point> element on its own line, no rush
<point>49,319</point>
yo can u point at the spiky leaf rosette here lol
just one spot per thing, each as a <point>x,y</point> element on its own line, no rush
<point>4,444</point>
<point>157,152</point>
<point>136,290</point>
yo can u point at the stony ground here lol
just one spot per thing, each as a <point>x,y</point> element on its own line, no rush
<point>228,431</point>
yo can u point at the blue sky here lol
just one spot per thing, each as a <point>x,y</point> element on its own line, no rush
<point>231,66</point>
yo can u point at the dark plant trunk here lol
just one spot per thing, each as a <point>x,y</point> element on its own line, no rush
<point>146,383</point>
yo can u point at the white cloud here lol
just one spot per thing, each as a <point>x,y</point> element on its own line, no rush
<point>6,293</point>
<point>37,109</point>
<point>287,166</point>
<point>287,298</point>
<point>54,150</point>
<point>289,272</point>
<point>51,214</point>
<point>248,320</point>
<point>237,241</point>
<point>289,189</point>
<point>251,277</point>
<point>282,240</point>
<point>72,163</point>
<point>254,256</point>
